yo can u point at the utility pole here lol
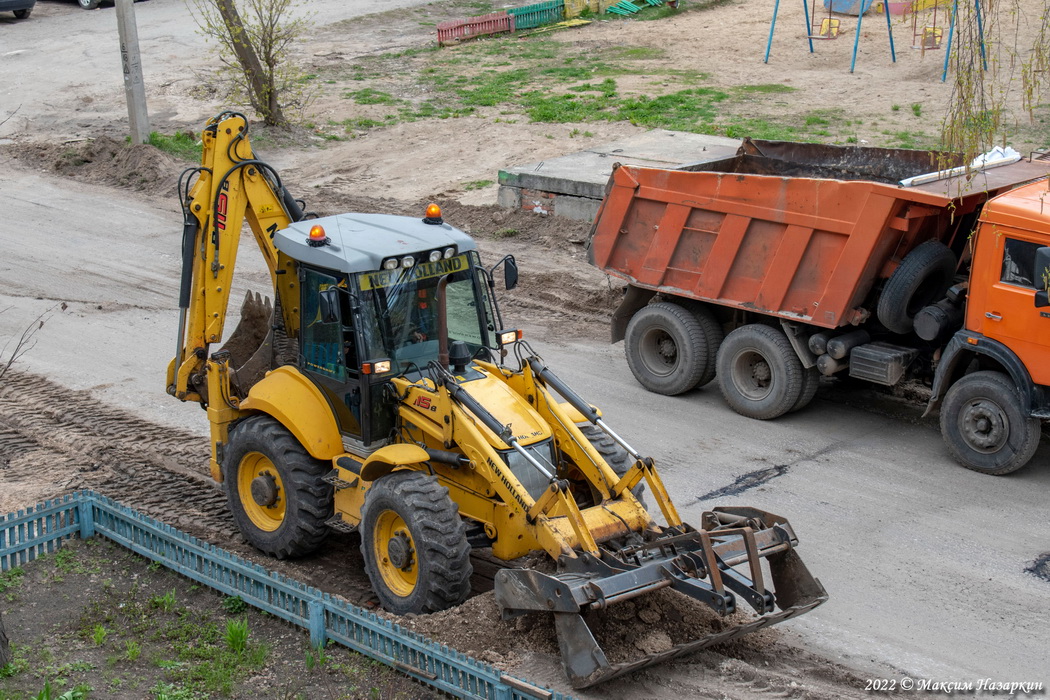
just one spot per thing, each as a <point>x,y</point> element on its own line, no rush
<point>134,87</point>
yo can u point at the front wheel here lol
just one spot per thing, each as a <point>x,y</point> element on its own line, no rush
<point>275,489</point>
<point>759,373</point>
<point>414,544</point>
<point>985,426</point>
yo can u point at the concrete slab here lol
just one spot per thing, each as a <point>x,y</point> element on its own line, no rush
<point>577,180</point>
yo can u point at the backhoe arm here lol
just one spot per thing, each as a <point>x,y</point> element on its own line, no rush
<point>231,187</point>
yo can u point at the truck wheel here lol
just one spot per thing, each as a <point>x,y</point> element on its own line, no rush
<point>921,279</point>
<point>985,426</point>
<point>23,14</point>
<point>613,454</point>
<point>713,337</point>
<point>274,489</point>
<point>89,4</point>
<point>414,544</point>
<point>666,349</point>
<point>759,373</point>
<point>810,384</point>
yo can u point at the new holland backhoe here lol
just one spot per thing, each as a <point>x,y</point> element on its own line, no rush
<point>375,396</point>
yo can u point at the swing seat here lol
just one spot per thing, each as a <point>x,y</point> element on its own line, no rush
<point>931,37</point>
<point>827,29</point>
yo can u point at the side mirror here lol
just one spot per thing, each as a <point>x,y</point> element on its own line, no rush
<point>328,301</point>
<point>510,273</point>
<point>1041,276</point>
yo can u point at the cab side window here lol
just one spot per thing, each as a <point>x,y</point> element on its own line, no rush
<point>1018,263</point>
<point>322,346</point>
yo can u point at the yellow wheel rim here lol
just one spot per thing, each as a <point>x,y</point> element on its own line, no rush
<point>261,491</point>
<point>395,553</point>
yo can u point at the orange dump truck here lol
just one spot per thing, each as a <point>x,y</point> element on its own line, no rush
<point>789,262</point>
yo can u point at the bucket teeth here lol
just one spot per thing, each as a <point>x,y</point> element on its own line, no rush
<point>713,566</point>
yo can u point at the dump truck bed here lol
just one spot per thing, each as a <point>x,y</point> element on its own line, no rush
<point>801,231</point>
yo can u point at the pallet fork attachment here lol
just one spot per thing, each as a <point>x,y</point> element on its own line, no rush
<point>703,564</point>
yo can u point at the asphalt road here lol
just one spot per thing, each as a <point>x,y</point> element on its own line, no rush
<point>932,569</point>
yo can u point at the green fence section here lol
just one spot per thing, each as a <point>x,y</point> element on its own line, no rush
<point>538,14</point>
<point>29,533</point>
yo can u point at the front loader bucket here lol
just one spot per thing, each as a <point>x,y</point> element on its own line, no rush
<point>701,564</point>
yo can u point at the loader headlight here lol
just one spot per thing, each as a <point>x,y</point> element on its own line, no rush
<point>390,264</point>
<point>449,252</point>
<point>375,367</point>
<point>508,337</point>
<point>408,261</point>
<point>435,255</point>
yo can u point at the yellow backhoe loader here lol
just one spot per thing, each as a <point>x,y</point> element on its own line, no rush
<point>374,396</point>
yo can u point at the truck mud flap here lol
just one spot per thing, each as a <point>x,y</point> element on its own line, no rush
<point>715,566</point>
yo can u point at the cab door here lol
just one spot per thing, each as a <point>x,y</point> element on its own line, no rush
<point>1002,298</point>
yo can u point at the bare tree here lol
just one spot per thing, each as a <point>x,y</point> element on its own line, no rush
<point>25,342</point>
<point>255,38</point>
<point>994,66</point>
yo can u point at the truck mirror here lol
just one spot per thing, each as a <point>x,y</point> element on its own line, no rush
<point>510,273</point>
<point>1041,275</point>
<point>328,302</point>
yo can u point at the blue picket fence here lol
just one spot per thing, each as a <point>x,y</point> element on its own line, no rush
<point>29,533</point>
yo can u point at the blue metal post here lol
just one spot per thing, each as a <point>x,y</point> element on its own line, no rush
<point>948,46</point>
<point>856,39</point>
<point>980,31</point>
<point>772,24</point>
<point>889,28</point>
<point>809,26</point>
<point>318,636</point>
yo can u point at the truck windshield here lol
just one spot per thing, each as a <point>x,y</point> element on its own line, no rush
<point>400,315</point>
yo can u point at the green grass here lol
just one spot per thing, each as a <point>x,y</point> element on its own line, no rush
<point>477,184</point>
<point>181,145</point>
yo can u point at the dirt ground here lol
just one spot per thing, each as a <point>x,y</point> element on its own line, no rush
<point>45,451</point>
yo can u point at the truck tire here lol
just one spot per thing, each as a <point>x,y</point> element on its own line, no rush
<point>614,455</point>
<point>414,544</point>
<point>89,4</point>
<point>921,279</point>
<point>759,373</point>
<point>666,349</point>
<point>713,337</point>
<point>810,384</point>
<point>274,488</point>
<point>985,426</point>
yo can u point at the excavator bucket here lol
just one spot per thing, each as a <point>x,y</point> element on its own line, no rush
<point>251,344</point>
<point>713,565</point>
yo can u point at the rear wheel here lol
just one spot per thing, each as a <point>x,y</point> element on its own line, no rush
<point>810,384</point>
<point>274,489</point>
<point>89,4</point>
<point>985,426</point>
<point>22,14</point>
<point>713,337</point>
<point>759,373</point>
<point>666,349</point>
<point>414,544</point>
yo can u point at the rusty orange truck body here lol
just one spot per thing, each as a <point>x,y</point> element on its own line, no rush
<point>789,262</point>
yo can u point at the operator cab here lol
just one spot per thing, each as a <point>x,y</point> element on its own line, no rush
<point>369,309</point>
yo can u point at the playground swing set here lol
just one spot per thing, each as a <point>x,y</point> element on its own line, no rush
<point>927,34</point>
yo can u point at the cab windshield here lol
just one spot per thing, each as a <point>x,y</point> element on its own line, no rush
<point>399,311</point>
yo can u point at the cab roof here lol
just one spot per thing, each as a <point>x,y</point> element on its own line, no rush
<point>1026,207</point>
<point>360,242</point>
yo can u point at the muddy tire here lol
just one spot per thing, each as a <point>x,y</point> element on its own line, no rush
<point>810,384</point>
<point>274,489</point>
<point>666,349</point>
<point>985,426</point>
<point>921,279</point>
<point>759,373</point>
<point>614,455</point>
<point>414,544</point>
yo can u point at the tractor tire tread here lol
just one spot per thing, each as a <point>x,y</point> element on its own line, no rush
<point>439,532</point>
<point>310,500</point>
